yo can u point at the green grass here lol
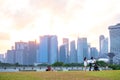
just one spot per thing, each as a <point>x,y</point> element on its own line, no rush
<point>69,75</point>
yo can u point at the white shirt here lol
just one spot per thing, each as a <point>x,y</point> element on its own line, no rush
<point>92,61</point>
<point>85,63</point>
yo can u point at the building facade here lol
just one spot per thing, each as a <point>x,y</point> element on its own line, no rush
<point>82,49</point>
<point>31,52</point>
<point>73,53</point>
<point>2,59</point>
<point>21,53</point>
<point>53,55</point>
<point>48,49</point>
<point>94,52</point>
<point>42,55</point>
<point>103,47</point>
<point>66,43</point>
<point>10,56</point>
<point>62,54</point>
<point>114,32</point>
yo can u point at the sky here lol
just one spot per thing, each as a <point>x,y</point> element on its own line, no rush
<point>28,19</point>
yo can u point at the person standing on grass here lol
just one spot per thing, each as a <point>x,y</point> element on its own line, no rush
<point>92,61</point>
<point>85,63</point>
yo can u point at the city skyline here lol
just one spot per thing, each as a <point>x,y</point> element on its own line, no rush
<point>28,19</point>
<point>47,51</point>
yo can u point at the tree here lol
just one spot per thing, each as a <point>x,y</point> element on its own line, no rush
<point>58,64</point>
<point>17,64</point>
<point>102,63</point>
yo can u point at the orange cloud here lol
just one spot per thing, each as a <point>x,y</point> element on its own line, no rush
<point>4,36</point>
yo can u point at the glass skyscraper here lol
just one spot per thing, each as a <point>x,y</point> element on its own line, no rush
<point>94,52</point>
<point>82,49</point>
<point>48,49</point>
<point>103,42</point>
<point>42,55</point>
<point>114,32</point>
<point>62,54</point>
<point>53,55</point>
<point>73,54</point>
<point>66,44</point>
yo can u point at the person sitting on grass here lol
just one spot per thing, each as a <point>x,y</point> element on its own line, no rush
<point>96,68</point>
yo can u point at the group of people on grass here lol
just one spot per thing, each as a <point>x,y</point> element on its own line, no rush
<point>92,64</point>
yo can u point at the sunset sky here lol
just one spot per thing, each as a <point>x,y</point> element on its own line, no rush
<point>28,19</point>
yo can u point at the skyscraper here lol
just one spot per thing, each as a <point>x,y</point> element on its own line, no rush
<point>73,54</point>
<point>66,43</point>
<point>94,52</point>
<point>104,48</point>
<point>100,43</point>
<point>103,42</point>
<point>53,55</point>
<point>42,55</point>
<point>2,58</point>
<point>114,32</point>
<point>10,56</point>
<point>82,49</point>
<point>48,51</point>
<point>20,52</point>
<point>62,54</point>
<point>32,48</point>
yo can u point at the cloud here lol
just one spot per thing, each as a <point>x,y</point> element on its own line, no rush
<point>4,36</point>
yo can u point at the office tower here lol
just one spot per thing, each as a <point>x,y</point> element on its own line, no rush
<point>104,48</point>
<point>32,48</point>
<point>20,45</point>
<point>53,55</point>
<point>19,57</point>
<point>73,54</point>
<point>89,54</point>
<point>10,56</point>
<point>48,51</point>
<point>82,49</point>
<point>42,55</point>
<point>21,52</point>
<point>62,53</point>
<point>94,52</point>
<point>100,44</point>
<point>103,43</point>
<point>66,43</point>
<point>2,58</point>
<point>114,32</point>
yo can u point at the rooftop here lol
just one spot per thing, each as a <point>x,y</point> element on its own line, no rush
<point>117,26</point>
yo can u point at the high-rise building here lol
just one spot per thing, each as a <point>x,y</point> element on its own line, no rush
<point>32,52</point>
<point>48,51</point>
<point>114,32</point>
<point>82,49</point>
<point>20,45</point>
<point>62,54</point>
<point>94,52</point>
<point>21,53</point>
<point>2,58</point>
<point>66,43</point>
<point>19,57</point>
<point>53,55</point>
<point>42,55</point>
<point>73,54</point>
<point>104,48</point>
<point>10,56</point>
<point>103,42</point>
<point>100,43</point>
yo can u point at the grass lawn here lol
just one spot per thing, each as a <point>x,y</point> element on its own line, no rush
<point>68,75</point>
